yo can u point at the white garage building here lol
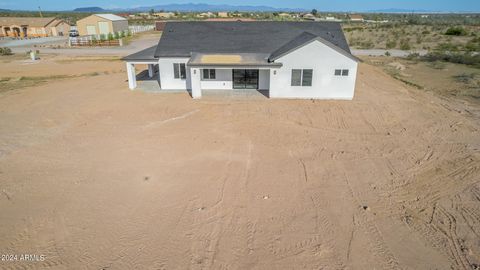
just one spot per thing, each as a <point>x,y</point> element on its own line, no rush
<point>101,24</point>
<point>284,59</point>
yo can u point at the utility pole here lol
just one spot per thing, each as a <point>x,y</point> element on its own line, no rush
<point>40,11</point>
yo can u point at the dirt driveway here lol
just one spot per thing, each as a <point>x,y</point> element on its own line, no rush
<point>95,176</point>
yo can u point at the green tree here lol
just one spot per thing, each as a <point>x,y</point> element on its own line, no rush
<point>314,12</point>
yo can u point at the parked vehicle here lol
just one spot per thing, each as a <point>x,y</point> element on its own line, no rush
<point>73,33</point>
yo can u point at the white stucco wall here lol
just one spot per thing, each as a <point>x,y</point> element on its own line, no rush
<point>263,79</point>
<point>325,85</point>
<point>118,26</point>
<point>222,81</point>
<point>167,79</point>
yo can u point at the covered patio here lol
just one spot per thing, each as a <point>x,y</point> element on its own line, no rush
<point>150,76</point>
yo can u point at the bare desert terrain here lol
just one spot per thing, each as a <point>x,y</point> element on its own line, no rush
<point>94,176</point>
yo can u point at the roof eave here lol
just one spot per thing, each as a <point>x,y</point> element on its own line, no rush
<point>326,42</point>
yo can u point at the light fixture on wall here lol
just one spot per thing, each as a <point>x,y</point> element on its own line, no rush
<point>194,71</point>
<point>274,72</point>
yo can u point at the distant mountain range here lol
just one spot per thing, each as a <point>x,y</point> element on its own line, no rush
<point>89,9</point>
<point>399,10</point>
<point>193,7</point>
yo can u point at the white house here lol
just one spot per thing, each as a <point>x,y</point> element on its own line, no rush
<point>284,59</point>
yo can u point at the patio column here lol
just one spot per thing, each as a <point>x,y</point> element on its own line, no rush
<point>132,80</point>
<point>150,70</point>
<point>195,81</point>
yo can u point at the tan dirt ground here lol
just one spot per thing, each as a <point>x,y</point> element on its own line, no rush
<point>95,176</point>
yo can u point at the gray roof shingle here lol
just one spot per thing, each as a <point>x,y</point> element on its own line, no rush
<point>180,39</point>
<point>143,55</point>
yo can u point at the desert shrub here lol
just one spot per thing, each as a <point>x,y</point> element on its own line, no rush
<point>464,77</point>
<point>367,44</point>
<point>391,44</point>
<point>413,56</point>
<point>418,39</point>
<point>425,32</point>
<point>436,65</point>
<point>447,46</point>
<point>387,53</point>
<point>5,51</point>
<point>405,44</point>
<point>456,31</point>
<point>459,58</point>
<point>473,45</point>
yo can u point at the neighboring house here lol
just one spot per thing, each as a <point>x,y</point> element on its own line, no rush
<point>283,14</point>
<point>98,24</point>
<point>356,18</point>
<point>285,59</point>
<point>33,27</point>
<point>308,17</point>
<point>223,14</point>
<point>206,15</point>
<point>230,20</point>
<point>164,15</point>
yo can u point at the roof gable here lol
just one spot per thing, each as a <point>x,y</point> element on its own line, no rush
<point>30,21</point>
<point>180,39</point>
<point>110,17</point>
<point>302,40</point>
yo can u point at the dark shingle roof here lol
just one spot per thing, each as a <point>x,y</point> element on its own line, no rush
<point>180,39</point>
<point>301,40</point>
<point>292,44</point>
<point>143,55</point>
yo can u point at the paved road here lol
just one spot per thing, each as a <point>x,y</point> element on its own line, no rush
<point>133,47</point>
<point>379,52</point>
<point>20,46</point>
<point>7,42</point>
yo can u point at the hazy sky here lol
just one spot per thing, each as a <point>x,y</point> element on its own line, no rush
<point>327,5</point>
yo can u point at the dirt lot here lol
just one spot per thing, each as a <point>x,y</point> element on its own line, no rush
<point>95,176</point>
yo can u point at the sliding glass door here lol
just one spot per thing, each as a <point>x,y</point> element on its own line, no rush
<point>245,78</point>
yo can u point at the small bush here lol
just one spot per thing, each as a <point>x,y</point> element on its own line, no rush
<point>464,77</point>
<point>456,31</point>
<point>473,45</point>
<point>5,51</point>
<point>116,35</point>
<point>458,58</point>
<point>391,44</point>
<point>436,65</point>
<point>447,47</point>
<point>102,37</point>
<point>387,53</point>
<point>405,44</point>
<point>110,36</point>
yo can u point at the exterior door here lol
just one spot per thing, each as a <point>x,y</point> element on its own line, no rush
<point>103,28</point>
<point>245,78</point>
<point>91,30</point>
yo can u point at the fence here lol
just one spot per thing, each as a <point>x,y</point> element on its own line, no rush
<point>140,28</point>
<point>89,41</point>
<point>96,40</point>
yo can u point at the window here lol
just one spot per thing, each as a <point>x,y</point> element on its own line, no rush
<point>296,77</point>
<point>209,74</point>
<point>341,72</point>
<point>307,77</point>
<point>302,77</point>
<point>179,71</point>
